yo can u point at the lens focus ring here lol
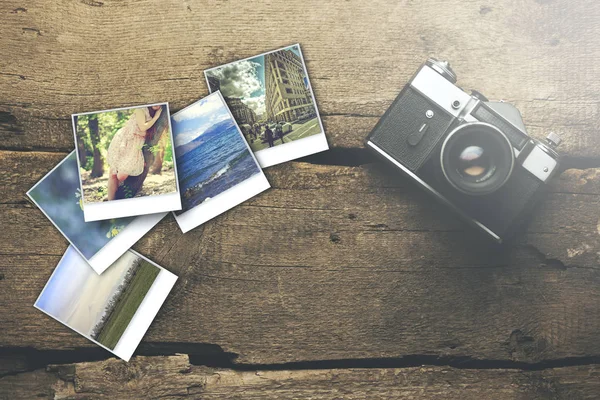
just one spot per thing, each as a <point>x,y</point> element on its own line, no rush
<point>477,158</point>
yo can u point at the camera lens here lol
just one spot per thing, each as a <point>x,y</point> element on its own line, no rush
<point>473,162</point>
<point>477,158</point>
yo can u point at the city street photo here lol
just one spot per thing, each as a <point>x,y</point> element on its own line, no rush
<point>114,309</point>
<point>272,101</point>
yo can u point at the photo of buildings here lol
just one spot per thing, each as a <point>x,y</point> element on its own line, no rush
<point>288,96</point>
<point>269,96</point>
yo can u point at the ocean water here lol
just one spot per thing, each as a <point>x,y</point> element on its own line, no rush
<point>219,163</point>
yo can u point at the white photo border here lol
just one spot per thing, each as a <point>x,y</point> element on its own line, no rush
<point>135,206</point>
<point>118,245</point>
<point>291,150</point>
<point>143,320</point>
<point>229,198</point>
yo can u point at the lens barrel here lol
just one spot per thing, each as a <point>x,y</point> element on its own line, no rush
<point>477,158</point>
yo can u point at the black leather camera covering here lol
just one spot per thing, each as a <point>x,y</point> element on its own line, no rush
<point>397,134</point>
<point>404,118</point>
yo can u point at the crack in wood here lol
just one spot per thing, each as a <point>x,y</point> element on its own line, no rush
<point>544,260</point>
<point>213,356</point>
<point>36,31</point>
<point>92,3</point>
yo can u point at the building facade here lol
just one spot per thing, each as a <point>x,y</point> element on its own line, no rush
<point>241,112</point>
<point>214,83</point>
<point>287,95</point>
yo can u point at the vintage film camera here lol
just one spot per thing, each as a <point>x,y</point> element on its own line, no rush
<point>470,153</point>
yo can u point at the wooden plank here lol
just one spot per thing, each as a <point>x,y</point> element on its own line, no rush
<point>541,55</point>
<point>335,263</point>
<point>174,377</point>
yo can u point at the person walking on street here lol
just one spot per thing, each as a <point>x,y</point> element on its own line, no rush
<point>269,136</point>
<point>279,131</point>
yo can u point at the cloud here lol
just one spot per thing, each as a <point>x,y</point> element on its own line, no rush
<point>239,79</point>
<point>256,103</point>
<point>193,121</point>
<point>186,137</point>
<point>204,108</point>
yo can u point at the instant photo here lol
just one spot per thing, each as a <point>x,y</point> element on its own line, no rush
<point>126,163</point>
<point>273,103</point>
<point>113,310</point>
<point>216,168</point>
<point>101,243</point>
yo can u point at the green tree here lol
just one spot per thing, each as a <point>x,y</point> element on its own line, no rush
<point>98,166</point>
<point>84,143</point>
<point>159,154</point>
<point>81,150</point>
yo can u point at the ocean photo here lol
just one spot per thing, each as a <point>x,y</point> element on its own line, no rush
<point>212,155</point>
<point>58,195</point>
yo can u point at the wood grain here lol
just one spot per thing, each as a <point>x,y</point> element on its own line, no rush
<point>540,55</point>
<point>174,378</point>
<point>334,262</point>
<point>340,262</point>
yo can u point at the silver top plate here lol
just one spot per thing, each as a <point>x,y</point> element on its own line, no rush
<point>439,90</point>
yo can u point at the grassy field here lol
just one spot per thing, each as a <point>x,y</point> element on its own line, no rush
<point>128,304</point>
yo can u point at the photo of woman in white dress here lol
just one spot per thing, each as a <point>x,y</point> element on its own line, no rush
<point>125,153</point>
<point>124,156</point>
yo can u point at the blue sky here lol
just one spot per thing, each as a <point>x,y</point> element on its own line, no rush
<point>260,70</point>
<point>76,295</point>
<point>62,289</point>
<point>194,120</point>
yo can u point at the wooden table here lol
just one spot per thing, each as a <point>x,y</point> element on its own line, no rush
<point>343,280</point>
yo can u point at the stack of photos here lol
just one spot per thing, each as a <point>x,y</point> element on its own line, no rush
<point>126,163</point>
<point>132,165</point>
<point>114,309</point>
<point>101,243</point>
<point>216,168</point>
<point>273,103</point>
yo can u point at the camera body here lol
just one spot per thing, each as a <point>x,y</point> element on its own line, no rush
<point>473,155</point>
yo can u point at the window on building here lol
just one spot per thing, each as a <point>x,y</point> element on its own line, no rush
<point>286,81</point>
<point>288,90</point>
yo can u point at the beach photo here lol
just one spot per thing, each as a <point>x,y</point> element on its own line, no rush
<point>216,168</point>
<point>271,99</point>
<point>126,162</point>
<point>101,243</point>
<point>114,309</point>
